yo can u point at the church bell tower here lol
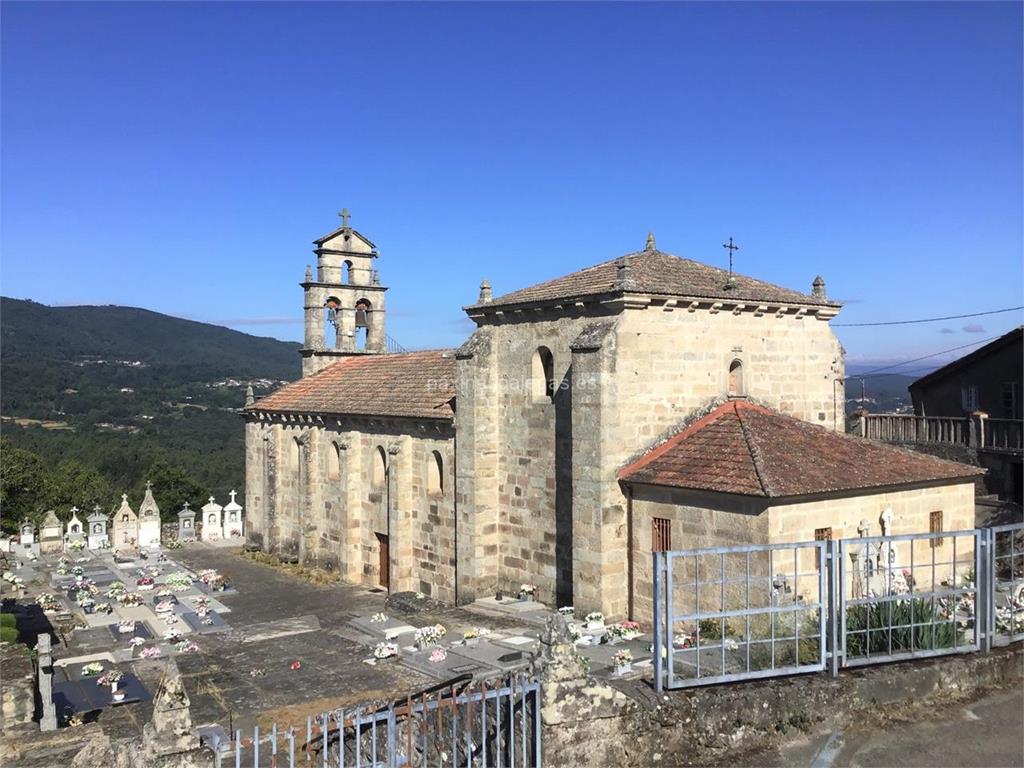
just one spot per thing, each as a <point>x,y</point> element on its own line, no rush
<point>344,305</point>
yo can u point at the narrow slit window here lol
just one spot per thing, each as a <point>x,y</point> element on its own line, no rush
<point>661,534</point>
<point>935,526</point>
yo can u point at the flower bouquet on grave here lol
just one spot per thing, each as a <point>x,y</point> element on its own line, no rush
<point>62,570</point>
<point>379,618</point>
<point>186,646</point>
<point>114,591</point>
<point>126,627</point>
<point>682,640</point>
<point>385,650</point>
<point>86,603</point>
<point>104,608</point>
<point>112,678</point>
<point>150,653</point>
<point>92,669</point>
<point>145,583</point>
<point>568,611</point>
<point>624,631</point>
<point>623,661</point>
<point>173,544</point>
<point>48,602</point>
<point>76,546</point>
<point>64,560</point>
<point>135,643</point>
<point>595,620</point>
<point>164,606</point>
<point>426,637</point>
<point>438,655</point>
<point>131,599</point>
<point>575,633</point>
<point>78,571</point>
<point>527,591</point>
<point>180,581</point>
<point>471,637</point>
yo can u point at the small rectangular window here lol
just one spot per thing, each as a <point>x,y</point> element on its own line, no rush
<point>935,526</point>
<point>969,397</point>
<point>823,534</point>
<point>661,534</point>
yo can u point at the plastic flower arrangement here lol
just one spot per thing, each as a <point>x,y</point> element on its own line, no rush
<point>48,602</point>
<point>438,655</point>
<point>431,635</point>
<point>104,608</point>
<point>378,618</point>
<point>113,676</point>
<point>92,669</point>
<point>385,650</point>
<point>145,582</point>
<point>126,627</point>
<point>568,611</point>
<point>76,546</point>
<point>527,590</point>
<point>186,646</point>
<point>471,634</point>
<point>131,599</point>
<point>623,658</point>
<point>625,630</point>
<point>78,571</point>
<point>150,653</point>
<point>595,619</point>
<point>180,581</point>
<point>135,642</point>
<point>114,591</point>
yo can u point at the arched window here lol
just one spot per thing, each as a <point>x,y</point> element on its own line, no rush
<point>380,466</point>
<point>736,379</point>
<point>542,376</point>
<point>348,272</point>
<point>435,474</point>
<point>333,462</point>
<point>363,310</point>
<point>332,321</point>
<point>293,454</point>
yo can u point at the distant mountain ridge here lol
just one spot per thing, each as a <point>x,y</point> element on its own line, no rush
<point>33,332</point>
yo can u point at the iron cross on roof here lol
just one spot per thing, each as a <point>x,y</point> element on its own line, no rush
<point>730,246</point>
<point>344,217</point>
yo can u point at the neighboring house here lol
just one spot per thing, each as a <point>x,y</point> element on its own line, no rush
<point>457,473</point>
<point>969,409</point>
<point>988,379</point>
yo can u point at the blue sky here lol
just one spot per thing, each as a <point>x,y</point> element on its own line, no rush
<point>183,156</point>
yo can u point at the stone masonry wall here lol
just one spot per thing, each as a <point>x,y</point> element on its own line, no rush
<point>321,490</point>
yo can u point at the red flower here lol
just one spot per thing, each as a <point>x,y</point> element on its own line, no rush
<point>296,665</point>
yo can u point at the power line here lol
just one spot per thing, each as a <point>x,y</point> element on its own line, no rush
<point>923,357</point>
<point>928,319</point>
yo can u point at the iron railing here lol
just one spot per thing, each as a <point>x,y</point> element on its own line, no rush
<point>1005,622</point>
<point>478,724</point>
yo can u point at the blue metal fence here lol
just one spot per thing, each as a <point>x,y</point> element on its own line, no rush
<point>479,724</point>
<point>738,613</point>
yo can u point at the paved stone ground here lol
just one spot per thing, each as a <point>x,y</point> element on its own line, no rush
<point>333,671</point>
<point>986,734</point>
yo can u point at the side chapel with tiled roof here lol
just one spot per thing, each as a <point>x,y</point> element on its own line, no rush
<point>648,401</point>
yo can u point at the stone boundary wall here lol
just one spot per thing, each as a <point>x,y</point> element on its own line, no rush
<point>595,724</point>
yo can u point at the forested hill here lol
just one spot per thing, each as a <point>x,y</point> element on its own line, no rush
<point>97,399</point>
<point>36,332</point>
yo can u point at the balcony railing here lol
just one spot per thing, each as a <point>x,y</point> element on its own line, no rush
<point>975,431</point>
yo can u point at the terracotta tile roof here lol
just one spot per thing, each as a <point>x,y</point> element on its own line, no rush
<point>412,384</point>
<point>749,450</point>
<point>656,273</point>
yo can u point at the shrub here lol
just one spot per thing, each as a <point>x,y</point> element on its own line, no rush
<point>8,635</point>
<point>8,620</point>
<point>912,623</point>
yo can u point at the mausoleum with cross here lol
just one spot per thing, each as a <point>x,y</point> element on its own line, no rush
<point>648,401</point>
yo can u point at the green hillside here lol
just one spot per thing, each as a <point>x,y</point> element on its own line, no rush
<point>96,400</point>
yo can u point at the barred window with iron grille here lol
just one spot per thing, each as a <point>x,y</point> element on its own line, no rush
<point>823,534</point>
<point>969,397</point>
<point>661,534</point>
<point>935,526</point>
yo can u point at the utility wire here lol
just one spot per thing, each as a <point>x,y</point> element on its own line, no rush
<point>927,320</point>
<point>923,357</point>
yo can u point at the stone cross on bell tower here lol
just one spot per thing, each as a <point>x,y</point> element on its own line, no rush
<point>344,300</point>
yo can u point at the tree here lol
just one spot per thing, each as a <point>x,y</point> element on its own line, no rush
<point>22,486</point>
<point>172,487</point>
<point>73,484</point>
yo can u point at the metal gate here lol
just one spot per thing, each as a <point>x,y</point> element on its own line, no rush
<point>909,596</point>
<point>739,613</point>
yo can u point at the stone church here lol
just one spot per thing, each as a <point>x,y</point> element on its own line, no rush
<point>648,401</point>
